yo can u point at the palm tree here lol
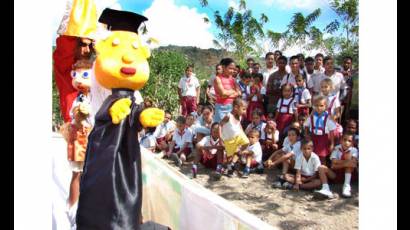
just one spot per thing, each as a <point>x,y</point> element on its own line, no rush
<point>300,28</point>
<point>239,31</point>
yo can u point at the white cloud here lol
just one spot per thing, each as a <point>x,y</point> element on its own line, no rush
<point>299,4</point>
<point>177,25</point>
<point>233,4</point>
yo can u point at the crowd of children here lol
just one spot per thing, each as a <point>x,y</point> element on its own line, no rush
<point>285,116</point>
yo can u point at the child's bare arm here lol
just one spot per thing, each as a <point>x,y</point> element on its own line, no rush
<point>295,115</point>
<point>332,141</point>
<point>171,146</point>
<point>198,93</point>
<point>179,93</point>
<point>298,180</point>
<point>276,115</point>
<point>181,150</point>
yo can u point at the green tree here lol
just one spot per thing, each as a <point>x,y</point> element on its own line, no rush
<point>300,32</point>
<point>348,12</point>
<point>239,31</point>
<point>166,68</point>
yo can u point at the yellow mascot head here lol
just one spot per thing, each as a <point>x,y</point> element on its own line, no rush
<point>122,58</point>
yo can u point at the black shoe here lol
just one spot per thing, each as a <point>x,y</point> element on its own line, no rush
<point>194,172</point>
<point>277,184</point>
<point>230,173</point>
<point>245,174</point>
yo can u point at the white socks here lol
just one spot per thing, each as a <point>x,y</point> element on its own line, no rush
<point>325,186</point>
<point>348,176</point>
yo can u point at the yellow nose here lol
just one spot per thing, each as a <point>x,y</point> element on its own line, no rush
<point>128,59</point>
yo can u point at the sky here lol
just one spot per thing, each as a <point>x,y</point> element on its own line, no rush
<point>180,22</point>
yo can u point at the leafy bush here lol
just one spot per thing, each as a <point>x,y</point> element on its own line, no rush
<point>166,68</point>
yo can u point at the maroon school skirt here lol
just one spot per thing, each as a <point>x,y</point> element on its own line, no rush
<point>283,121</point>
<point>321,145</point>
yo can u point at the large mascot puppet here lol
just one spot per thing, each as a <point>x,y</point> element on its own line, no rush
<point>111,184</point>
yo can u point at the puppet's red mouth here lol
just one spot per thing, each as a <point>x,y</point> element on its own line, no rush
<point>128,70</point>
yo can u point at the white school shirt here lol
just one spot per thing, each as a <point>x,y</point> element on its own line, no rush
<point>307,167</point>
<point>291,80</point>
<point>319,71</point>
<point>275,135</point>
<point>329,126</point>
<point>188,86</point>
<point>260,127</point>
<point>163,129</point>
<point>232,128</point>
<point>314,82</point>
<point>336,103</point>
<point>148,140</point>
<point>283,109</point>
<point>254,98</point>
<point>308,76</point>
<point>337,153</point>
<point>339,82</point>
<point>180,140</point>
<point>266,73</point>
<point>256,149</point>
<point>209,141</point>
<point>305,95</point>
<point>294,148</point>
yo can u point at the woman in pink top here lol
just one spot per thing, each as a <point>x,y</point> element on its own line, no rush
<point>226,89</point>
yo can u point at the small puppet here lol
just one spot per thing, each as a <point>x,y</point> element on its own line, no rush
<point>78,130</point>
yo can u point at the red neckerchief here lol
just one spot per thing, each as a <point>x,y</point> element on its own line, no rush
<point>344,152</point>
<point>181,133</point>
<point>215,143</point>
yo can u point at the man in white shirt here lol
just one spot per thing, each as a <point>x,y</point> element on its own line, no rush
<point>319,64</point>
<point>294,70</point>
<point>270,69</point>
<point>339,83</point>
<point>189,92</point>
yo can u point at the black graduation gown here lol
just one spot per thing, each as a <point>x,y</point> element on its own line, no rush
<point>111,184</point>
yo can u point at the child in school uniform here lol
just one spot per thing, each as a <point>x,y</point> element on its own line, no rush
<point>285,156</point>
<point>210,152</point>
<point>351,127</point>
<point>189,91</point>
<point>318,127</point>
<point>307,166</point>
<point>302,96</point>
<point>163,132</point>
<point>344,162</point>
<point>255,92</point>
<point>202,126</point>
<point>148,140</point>
<point>286,108</point>
<point>269,141</point>
<point>333,108</point>
<point>256,123</point>
<point>190,120</point>
<point>181,141</point>
<point>232,134</point>
<point>252,156</point>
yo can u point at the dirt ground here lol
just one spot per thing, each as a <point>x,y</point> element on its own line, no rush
<point>285,209</point>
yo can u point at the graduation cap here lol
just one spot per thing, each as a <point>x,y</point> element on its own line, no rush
<point>121,20</point>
